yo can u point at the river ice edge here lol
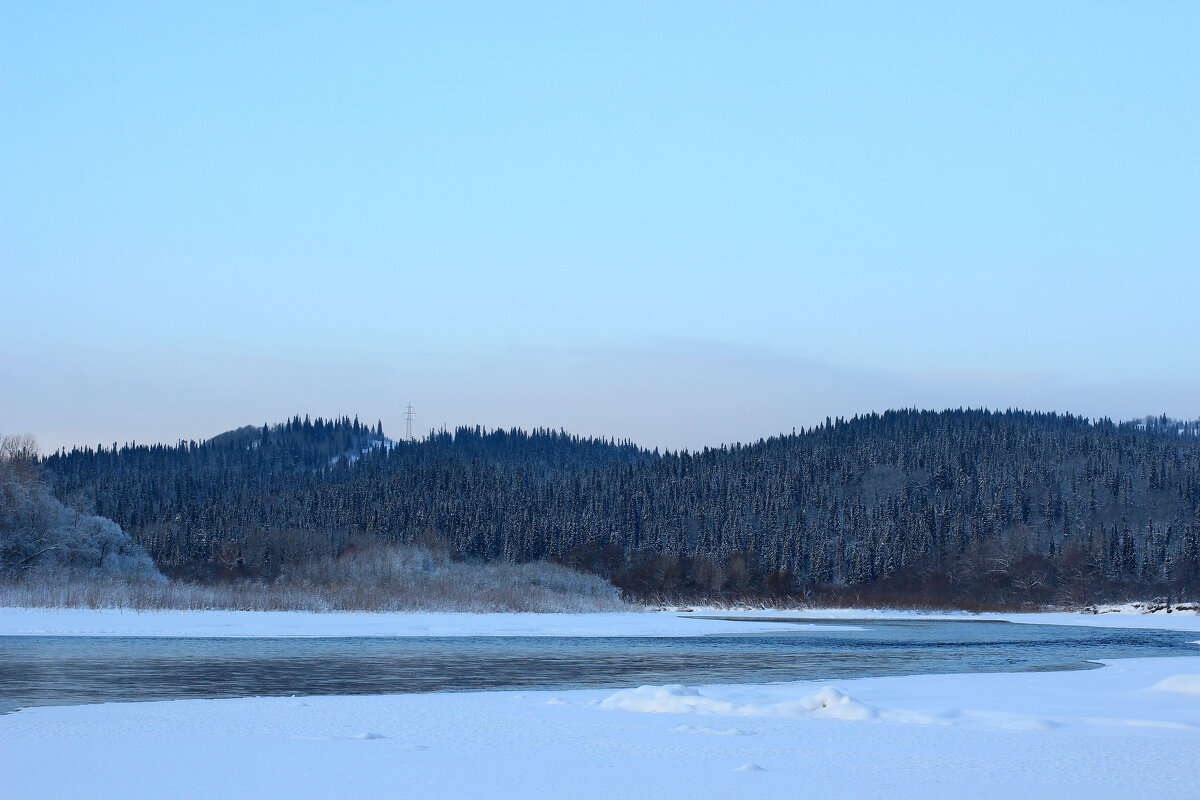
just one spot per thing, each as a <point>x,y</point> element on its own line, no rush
<point>694,622</point>
<point>1129,729</point>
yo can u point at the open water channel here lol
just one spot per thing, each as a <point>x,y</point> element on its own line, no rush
<point>62,670</point>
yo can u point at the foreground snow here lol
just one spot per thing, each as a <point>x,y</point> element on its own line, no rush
<point>1131,729</point>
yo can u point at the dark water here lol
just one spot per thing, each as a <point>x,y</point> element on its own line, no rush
<point>36,670</point>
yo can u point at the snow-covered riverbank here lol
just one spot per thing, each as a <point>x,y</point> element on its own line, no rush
<point>1129,729</point>
<point>696,622</point>
<point>112,622</point>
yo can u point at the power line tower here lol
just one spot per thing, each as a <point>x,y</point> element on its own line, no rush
<point>408,420</point>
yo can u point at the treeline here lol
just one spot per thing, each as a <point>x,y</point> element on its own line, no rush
<point>961,506</point>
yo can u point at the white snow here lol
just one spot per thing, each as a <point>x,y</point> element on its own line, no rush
<point>676,699</point>
<point>1183,684</point>
<point>115,622</point>
<point>1128,729</point>
<point>1126,616</point>
<point>1090,734</point>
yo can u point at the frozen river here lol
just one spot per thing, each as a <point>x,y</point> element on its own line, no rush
<point>54,670</point>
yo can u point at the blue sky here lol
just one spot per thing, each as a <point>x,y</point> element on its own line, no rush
<point>684,223</point>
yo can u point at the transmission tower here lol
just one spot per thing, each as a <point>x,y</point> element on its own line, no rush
<point>408,419</point>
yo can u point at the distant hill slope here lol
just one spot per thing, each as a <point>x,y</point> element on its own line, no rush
<point>958,505</point>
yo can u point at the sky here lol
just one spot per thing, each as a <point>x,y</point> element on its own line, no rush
<point>678,223</point>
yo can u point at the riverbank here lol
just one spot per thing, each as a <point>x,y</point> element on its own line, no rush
<point>113,622</point>
<point>694,621</point>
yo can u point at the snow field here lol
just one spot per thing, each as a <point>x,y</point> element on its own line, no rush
<point>118,622</point>
<point>676,699</point>
<point>1182,684</point>
<point>1105,733</point>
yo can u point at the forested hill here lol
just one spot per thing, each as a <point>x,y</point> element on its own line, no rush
<point>955,505</point>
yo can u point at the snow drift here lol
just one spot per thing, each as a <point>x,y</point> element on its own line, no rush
<point>677,699</point>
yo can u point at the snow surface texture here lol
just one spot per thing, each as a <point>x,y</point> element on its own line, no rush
<point>1183,684</point>
<point>1126,616</point>
<point>115,622</point>
<point>1091,734</point>
<point>676,699</point>
<point>1130,729</point>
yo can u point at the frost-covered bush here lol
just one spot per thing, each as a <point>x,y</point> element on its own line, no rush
<point>39,536</point>
<point>411,577</point>
<point>387,578</point>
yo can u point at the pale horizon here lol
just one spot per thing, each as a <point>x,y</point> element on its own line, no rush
<point>681,224</point>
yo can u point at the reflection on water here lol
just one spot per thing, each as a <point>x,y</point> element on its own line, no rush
<point>36,670</point>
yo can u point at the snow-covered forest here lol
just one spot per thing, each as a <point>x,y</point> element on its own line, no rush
<point>959,506</point>
<point>57,556</point>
